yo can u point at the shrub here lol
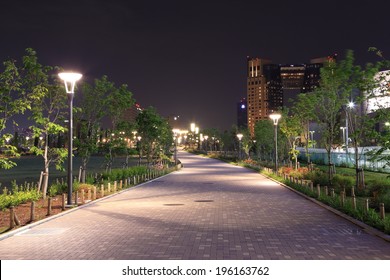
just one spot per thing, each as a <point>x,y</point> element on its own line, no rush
<point>18,197</point>
<point>318,177</point>
<point>340,182</point>
<point>57,188</point>
<point>120,174</point>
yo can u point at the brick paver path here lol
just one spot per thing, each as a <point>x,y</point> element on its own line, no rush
<point>208,210</point>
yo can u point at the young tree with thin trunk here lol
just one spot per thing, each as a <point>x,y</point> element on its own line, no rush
<point>48,111</point>
<point>14,100</point>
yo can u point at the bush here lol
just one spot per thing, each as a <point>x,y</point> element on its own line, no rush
<point>57,188</point>
<point>121,174</point>
<point>318,177</point>
<point>18,197</point>
<point>340,182</point>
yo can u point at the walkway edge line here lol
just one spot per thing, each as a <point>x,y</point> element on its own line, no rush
<point>45,220</point>
<point>365,227</point>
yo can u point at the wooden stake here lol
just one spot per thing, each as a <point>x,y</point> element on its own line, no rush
<point>342,198</point>
<point>63,201</point>
<point>17,221</point>
<point>32,211</point>
<point>82,196</point>
<point>12,217</point>
<point>49,206</point>
<point>382,210</point>
<point>354,202</point>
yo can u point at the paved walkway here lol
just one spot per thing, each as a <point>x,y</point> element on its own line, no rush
<point>208,210</point>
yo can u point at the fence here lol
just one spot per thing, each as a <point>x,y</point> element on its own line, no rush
<point>343,158</point>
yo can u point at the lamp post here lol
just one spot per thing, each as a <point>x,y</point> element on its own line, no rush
<point>176,133</point>
<point>350,105</point>
<point>207,143</point>
<point>275,117</point>
<point>239,136</point>
<point>343,128</point>
<point>139,149</point>
<point>70,80</point>
<point>312,137</point>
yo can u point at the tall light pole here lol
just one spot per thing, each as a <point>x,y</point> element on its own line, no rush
<point>207,143</point>
<point>275,117</point>
<point>239,136</point>
<point>139,149</point>
<point>192,128</point>
<point>70,80</point>
<point>176,133</point>
<point>312,137</point>
<point>343,128</point>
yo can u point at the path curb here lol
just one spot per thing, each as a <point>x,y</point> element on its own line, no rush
<point>45,220</point>
<point>365,227</point>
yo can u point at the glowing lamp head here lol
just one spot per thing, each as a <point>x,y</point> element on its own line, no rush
<point>239,136</point>
<point>275,118</point>
<point>70,80</point>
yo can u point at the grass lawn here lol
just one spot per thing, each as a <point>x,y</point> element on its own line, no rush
<point>29,168</point>
<point>352,172</point>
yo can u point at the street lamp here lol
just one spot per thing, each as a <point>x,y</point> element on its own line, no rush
<point>312,137</point>
<point>176,132</point>
<point>139,149</point>
<point>239,136</point>
<point>343,128</point>
<point>70,80</point>
<point>275,117</point>
<point>207,143</point>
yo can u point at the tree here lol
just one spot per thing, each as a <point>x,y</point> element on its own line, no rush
<point>47,108</point>
<point>291,127</point>
<point>93,102</point>
<point>361,125</point>
<point>331,96</point>
<point>117,100</point>
<point>304,111</point>
<point>264,135</point>
<point>14,100</point>
<point>157,135</point>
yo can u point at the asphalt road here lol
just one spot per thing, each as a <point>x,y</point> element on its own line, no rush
<point>208,210</point>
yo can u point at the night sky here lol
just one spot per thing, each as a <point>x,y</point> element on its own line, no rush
<point>188,58</point>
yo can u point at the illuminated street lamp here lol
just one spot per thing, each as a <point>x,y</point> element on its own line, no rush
<point>239,136</point>
<point>70,80</point>
<point>275,118</point>
<point>139,149</point>
<point>343,128</point>
<point>176,134</point>
<point>312,137</point>
<point>207,143</point>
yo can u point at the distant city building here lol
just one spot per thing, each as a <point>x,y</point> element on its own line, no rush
<point>131,113</point>
<point>271,86</point>
<point>242,113</point>
<point>381,94</point>
<point>257,96</point>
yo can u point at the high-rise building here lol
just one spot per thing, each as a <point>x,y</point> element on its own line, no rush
<point>264,90</point>
<point>272,86</point>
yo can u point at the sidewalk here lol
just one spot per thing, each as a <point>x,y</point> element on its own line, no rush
<point>208,210</point>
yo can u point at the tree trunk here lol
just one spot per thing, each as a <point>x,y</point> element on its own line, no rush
<point>46,170</point>
<point>83,169</point>
<point>45,183</point>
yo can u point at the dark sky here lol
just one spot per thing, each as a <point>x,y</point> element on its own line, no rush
<point>189,57</point>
